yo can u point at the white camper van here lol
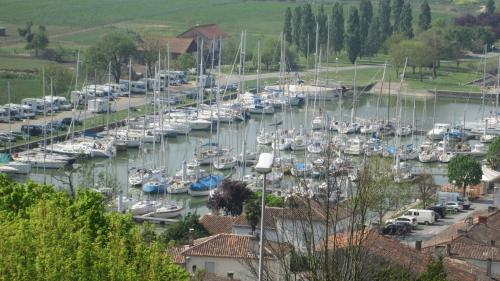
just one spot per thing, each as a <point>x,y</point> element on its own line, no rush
<point>38,105</point>
<point>423,216</point>
<point>20,111</point>
<point>100,106</point>
<point>61,103</point>
<point>4,115</point>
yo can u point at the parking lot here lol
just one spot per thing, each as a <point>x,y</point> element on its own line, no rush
<point>429,234</point>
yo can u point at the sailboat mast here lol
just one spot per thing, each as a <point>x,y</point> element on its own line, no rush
<point>10,123</point>
<point>353,110</point>
<point>380,93</point>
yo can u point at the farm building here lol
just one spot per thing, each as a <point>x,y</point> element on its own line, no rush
<point>209,33</point>
<point>179,46</point>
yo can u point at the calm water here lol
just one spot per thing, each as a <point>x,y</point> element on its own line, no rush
<point>176,150</point>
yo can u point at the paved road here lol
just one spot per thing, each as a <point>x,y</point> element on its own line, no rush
<point>121,103</point>
<point>227,78</point>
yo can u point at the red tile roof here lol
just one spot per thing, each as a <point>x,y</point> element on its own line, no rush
<point>208,31</point>
<point>179,45</point>
<point>215,224</point>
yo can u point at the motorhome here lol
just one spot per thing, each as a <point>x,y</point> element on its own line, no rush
<point>60,102</point>
<point>15,111</point>
<point>20,110</point>
<point>423,216</point>
<point>38,105</point>
<point>445,197</point>
<point>154,84</point>
<point>99,105</point>
<point>4,115</point>
<point>136,87</point>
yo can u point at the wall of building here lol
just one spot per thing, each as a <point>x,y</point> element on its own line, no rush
<point>270,234</point>
<point>495,266</point>
<point>223,266</point>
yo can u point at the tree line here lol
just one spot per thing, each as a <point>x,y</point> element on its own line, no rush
<point>360,34</point>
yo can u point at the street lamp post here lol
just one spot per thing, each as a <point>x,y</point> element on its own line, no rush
<point>263,167</point>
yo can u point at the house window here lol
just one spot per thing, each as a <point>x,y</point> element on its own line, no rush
<point>230,275</point>
<point>210,266</point>
<point>194,268</point>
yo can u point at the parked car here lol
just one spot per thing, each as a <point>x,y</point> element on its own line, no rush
<point>57,125</point>
<point>409,219</point>
<point>408,226</point>
<point>67,121</point>
<point>439,210</point>
<point>394,229</point>
<point>5,137</point>
<point>32,130</point>
<point>454,206</point>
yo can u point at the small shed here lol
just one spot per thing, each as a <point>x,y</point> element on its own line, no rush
<point>3,31</point>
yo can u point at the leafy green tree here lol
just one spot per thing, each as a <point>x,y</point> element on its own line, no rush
<point>61,78</point>
<point>337,30</point>
<point>385,19</point>
<point>47,235</point>
<point>178,231</point>
<point>435,271</point>
<point>397,9</point>
<point>464,170</point>
<point>184,62</point>
<point>229,51</point>
<point>287,27</point>
<point>365,19</point>
<point>490,7</point>
<point>373,40</point>
<point>308,29</point>
<point>424,19</point>
<point>112,48</point>
<point>253,205</point>
<point>493,154</point>
<point>407,20</point>
<point>425,189</point>
<point>322,25</point>
<point>353,42</point>
<point>150,47</point>
<point>37,40</point>
<point>297,23</point>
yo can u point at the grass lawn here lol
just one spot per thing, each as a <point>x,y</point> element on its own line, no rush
<point>22,64</point>
<point>20,89</point>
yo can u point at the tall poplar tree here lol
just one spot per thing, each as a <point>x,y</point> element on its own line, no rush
<point>323,30</point>
<point>308,29</point>
<point>424,19</point>
<point>353,43</point>
<point>297,22</point>
<point>384,17</point>
<point>406,20</point>
<point>397,8</point>
<point>373,40</point>
<point>365,18</point>
<point>287,27</point>
<point>337,30</point>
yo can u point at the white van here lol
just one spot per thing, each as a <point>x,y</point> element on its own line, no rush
<point>422,216</point>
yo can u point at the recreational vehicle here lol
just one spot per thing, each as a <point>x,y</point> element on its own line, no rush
<point>61,103</point>
<point>38,105</point>
<point>99,105</point>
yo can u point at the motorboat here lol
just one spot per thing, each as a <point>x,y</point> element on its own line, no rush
<point>478,150</point>
<point>428,156</point>
<point>487,138</point>
<point>354,146</point>
<point>408,152</point>
<point>179,187</point>
<point>404,131</point>
<point>141,176</point>
<point>349,128</point>
<point>144,207</point>
<point>315,147</point>
<point>438,131</point>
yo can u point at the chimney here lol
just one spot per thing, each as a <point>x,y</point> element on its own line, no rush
<point>448,249</point>
<point>191,237</point>
<point>492,243</point>
<point>488,267</point>
<point>418,245</point>
<point>482,219</point>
